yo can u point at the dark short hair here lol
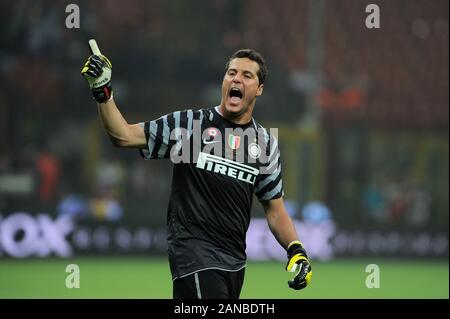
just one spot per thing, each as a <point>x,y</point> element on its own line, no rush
<point>254,56</point>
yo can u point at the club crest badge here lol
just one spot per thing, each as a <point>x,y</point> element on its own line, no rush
<point>254,150</point>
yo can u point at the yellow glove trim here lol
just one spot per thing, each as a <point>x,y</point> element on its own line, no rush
<point>308,277</point>
<point>292,264</point>
<point>106,60</point>
<point>295,242</point>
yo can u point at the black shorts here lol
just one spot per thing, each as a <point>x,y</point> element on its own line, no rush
<point>209,284</point>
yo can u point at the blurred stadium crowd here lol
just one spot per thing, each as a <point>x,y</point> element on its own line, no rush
<point>380,97</point>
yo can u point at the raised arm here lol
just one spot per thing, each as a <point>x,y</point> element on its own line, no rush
<point>97,71</point>
<point>119,131</point>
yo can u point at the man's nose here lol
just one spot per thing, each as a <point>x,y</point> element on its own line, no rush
<point>237,78</point>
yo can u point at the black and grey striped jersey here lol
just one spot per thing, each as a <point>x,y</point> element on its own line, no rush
<point>218,166</point>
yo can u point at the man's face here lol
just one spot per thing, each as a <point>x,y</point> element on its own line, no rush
<point>240,86</point>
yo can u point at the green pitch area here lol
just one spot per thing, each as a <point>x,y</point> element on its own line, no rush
<point>150,278</point>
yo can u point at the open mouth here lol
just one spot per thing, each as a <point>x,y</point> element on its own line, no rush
<point>235,95</point>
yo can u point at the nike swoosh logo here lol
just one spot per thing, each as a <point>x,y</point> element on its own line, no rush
<point>209,142</point>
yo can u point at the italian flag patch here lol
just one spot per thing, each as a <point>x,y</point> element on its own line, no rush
<point>234,141</point>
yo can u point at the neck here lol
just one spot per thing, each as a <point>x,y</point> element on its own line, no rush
<point>240,119</point>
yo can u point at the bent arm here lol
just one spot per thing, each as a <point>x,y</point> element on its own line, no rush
<point>279,222</point>
<point>119,131</point>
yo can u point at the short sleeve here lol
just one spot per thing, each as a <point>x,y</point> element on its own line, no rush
<point>269,184</point>
<point>163,133</point>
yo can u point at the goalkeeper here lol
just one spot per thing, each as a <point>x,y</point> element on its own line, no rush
<point>211,196</point>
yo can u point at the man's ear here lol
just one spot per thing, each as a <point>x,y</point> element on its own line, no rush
<point>260,90</point>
